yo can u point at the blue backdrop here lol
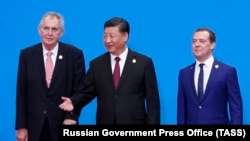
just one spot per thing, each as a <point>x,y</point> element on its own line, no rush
<point>161,29</point>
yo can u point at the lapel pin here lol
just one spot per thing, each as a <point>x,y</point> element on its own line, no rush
<point>134,61</point>
<point>60,57</point>
<point>216,66</point>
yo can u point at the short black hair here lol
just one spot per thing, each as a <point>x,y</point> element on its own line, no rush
<point>120,22</point>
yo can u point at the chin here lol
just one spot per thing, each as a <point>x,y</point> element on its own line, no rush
<point>111,50</point>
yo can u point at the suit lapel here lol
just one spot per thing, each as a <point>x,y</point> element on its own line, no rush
<point>127,67</point>
<point>191,74</point>
<point>212,77</point>
<point>107,69</point>
<point>38,55</point>
<point>60,60</point>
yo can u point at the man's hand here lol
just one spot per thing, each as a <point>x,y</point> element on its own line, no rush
<point>22,134</point>
<point>66,105</point>
<point>69,122</point>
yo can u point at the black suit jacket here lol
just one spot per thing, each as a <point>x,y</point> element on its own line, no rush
<point>136,101</point>
<point>34,101</point>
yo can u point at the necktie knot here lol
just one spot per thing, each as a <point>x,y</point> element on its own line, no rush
<point>201,65</point>
<point>117,59</point>
<point>49,54</point>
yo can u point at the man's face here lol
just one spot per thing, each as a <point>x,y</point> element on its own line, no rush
<point>201,46</point>
<point>114,41</point>
<point>50,32</point>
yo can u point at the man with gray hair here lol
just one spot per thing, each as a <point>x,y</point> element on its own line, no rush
<point>46,72</point>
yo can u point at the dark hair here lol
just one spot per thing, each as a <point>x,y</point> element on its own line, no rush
<point>122,24</point>
<point>212,36</point>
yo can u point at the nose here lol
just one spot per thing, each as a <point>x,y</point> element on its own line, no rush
<point>107,39</point>
<point>50,31</point>
<point>196,44</point>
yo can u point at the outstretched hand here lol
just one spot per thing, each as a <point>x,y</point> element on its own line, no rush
<point>22,134</point>
<point>66,105</point>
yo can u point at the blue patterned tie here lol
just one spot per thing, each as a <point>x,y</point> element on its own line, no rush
<point>200,82</point>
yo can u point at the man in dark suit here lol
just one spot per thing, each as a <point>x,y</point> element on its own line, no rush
<point>37,112</point>
<point>219,101</point>
<point>136,98</point>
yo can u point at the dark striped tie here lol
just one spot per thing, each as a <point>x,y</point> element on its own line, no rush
<point>200,82</point>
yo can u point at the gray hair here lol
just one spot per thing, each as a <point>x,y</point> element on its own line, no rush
<point>52,14</point>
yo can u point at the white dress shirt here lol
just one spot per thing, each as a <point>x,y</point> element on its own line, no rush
<point>208,64</point>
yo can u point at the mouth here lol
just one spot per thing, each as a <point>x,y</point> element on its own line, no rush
<point>49,39</point>
<point>197,50</point>
<point>110,46</point>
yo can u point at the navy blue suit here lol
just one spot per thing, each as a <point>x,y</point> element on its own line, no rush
<point>35,102</point>
<point>221,103</point>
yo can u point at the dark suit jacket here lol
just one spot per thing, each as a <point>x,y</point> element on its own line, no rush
<point>126,105</point>
<point>222,93</point>
<point>34,100</point>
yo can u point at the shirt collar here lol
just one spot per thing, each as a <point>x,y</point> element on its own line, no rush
<point>208,62</point>
<point>122,56</point>
<point>54,50</point>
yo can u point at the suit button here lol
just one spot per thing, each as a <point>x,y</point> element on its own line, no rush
<point>200,107</point>
<point>44,112</point>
